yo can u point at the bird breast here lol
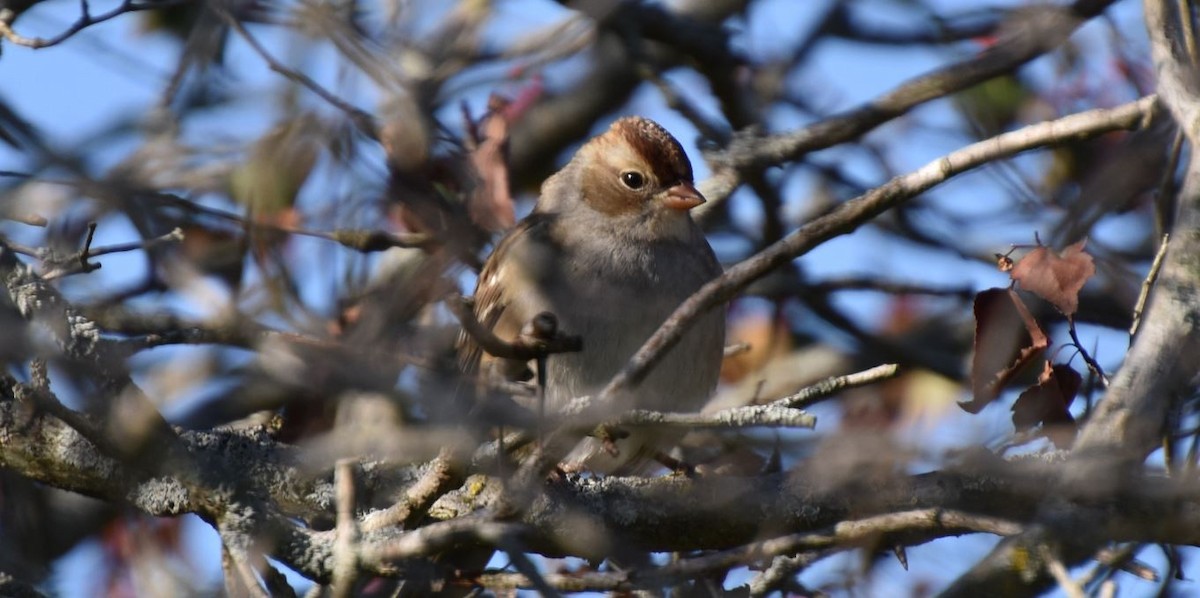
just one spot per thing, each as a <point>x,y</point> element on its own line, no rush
<point>615,299</point>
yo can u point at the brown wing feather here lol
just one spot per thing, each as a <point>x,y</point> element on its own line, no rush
<point>489,305</point>
<point>492,301</point>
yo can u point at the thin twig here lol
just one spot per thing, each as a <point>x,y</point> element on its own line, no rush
<point>361,119</point>
<point>815,393</point>
<point>1059,571</point>
<point>1147,284</point>
<point>736,349</point>
<point>769,416</point>
<point>87,246</point>
<point>1087,357</point>
<point>781,568</point>
<point>85,20</point>
<point>240,577</point>
<point>174,236</point>
<point>80,263</point>
<point>680,104</point>
<point>437,479</point>
<point>364,240</point>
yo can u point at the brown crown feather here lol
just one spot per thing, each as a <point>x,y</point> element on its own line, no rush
<point>657,147</point>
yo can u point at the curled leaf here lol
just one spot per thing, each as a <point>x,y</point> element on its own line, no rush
<point>1048,403</point>
<point>1007,339</point>
<point>491,205</point>
<point>1057,278</point>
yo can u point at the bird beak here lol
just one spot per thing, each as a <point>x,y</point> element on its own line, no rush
<point>683,197</point>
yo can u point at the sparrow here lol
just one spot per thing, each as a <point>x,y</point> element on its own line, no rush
<point>611,250</point>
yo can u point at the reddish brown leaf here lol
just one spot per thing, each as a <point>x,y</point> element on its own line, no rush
<point>1007,339</point>
<point>491,205</point>
<point>1048,403</point>
<point>1038,337</point>
<point>1057,278</point>
<point>526,98</point>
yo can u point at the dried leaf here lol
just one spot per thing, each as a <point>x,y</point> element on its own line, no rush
<point>278,166</point>
<point>1007,339</point>
<point>1048,403</point>
<point>491,205</point>
<point>1057,278</point>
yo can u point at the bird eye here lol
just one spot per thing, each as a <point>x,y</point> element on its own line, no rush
<point>633,179</point>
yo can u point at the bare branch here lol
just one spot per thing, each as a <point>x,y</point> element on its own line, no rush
<point>440,477</point>
<point>815,393</point>
<point>85,20</point>
<point>770,416</point>
<point>1061,575</point>
<point>80,262</point>
<point>1147,284</point>
<point>361,119</point>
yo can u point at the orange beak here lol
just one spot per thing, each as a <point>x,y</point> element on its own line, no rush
<point>683,197</point>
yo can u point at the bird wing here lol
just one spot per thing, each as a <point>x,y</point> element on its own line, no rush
<point>494,307</point>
